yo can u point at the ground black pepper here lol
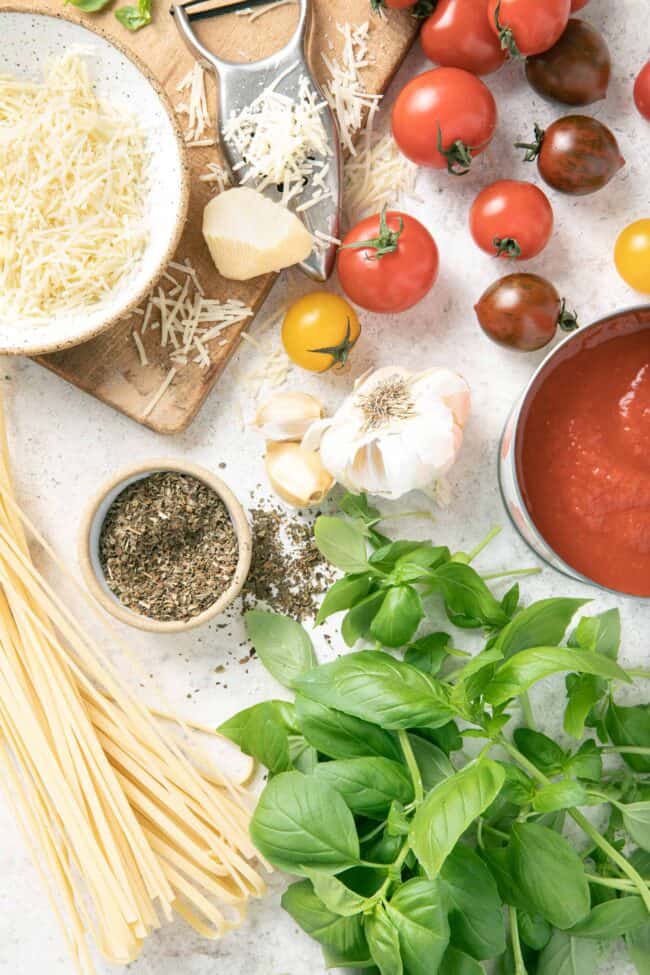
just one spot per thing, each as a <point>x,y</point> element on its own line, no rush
<point>168,547</point>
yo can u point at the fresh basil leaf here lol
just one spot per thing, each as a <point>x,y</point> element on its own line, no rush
<point>375,687</point>
<point>398,618</point>
<point>450,809</point>
<point>548,874</point>
<point>417,913</point>
<point>290,827</point>
<point>640,860</point>
<point>398,823</point>
<point>263,733</point>
<point>282,645</point>
<point>340,735</point>
<point>425,556</point>
<point>476,916</point>
<point>90,6</point>
<point>535,931</point>
<point>638,946</point>
<point>482,663</point>
<point>584,691</point>
<point>636,819</point>
<point>542,624</point>
<point>468,601</point>
<point>343,937</point>
<point>516,791</point>
<point>612,920</point>
<point>336,897</point>
<point>386,557</point>
<point>560,795</point>
<point>542,751</point>
<point>600,634</point>
<point>510,602</point>
<point>587,763</point>
<point>342,543</point>
<point>527,667</point>
<point>383,941</point>
<point>304,758</point>
<point>628,727</point>
<point>134,18</point>
<point>433,763</point>
<point>448,737</point>
<point>368,785</point>
<point>383,849</point>
<point>344,594</point>
<point>357,622</point>
<point>455,962</point>
<point>428,653</point>
<point>356,506</point>
<point>564,955</point>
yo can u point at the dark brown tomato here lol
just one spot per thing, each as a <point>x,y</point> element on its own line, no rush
<point>577,154</point>
<point>576,70</point>
<point>521,311</point>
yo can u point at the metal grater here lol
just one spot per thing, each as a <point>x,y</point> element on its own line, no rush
<point>240,84</point>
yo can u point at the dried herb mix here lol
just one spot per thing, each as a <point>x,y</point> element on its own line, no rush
<point>288,573</point>
<point>168,548</point>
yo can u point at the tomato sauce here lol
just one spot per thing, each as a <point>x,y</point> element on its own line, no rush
<point>583,455</point>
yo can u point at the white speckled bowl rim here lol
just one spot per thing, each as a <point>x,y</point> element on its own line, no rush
<point>90,531</point>
<point>173,193</point>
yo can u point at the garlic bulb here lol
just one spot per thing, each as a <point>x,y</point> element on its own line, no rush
<point>288,416</point>
<point>297,474</point>
<point>397,432</point>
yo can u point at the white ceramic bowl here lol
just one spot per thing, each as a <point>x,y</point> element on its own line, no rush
<point>28,41</point>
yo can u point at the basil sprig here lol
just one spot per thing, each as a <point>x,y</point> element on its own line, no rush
<point>411,790</point>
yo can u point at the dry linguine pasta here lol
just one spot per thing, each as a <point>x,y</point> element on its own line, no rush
<point>124,828</point>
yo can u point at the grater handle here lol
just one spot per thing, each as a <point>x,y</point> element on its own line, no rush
<point>184,18</point>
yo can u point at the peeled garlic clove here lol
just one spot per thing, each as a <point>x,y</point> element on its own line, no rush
<point>297,475</point>
<point>288,416</point>
<point>249,235</point>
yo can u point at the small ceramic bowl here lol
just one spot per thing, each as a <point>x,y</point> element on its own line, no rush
<point>91,527</point>
<point>31,38</point>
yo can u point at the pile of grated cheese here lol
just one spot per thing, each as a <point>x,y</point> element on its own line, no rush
<point>353,105</point>
<point>180,320</point>
<point>376,175</point>
<point>198,128</point>
<point>73,180</point>
<point>282,142</point>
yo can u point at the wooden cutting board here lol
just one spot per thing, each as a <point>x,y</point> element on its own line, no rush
<point>109,367</point>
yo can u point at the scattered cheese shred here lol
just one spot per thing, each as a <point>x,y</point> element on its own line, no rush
<point>72,194</point>
<point>196,110</point>
<point>377,174</point>
<point>353,105</point>
<point>281,141</point>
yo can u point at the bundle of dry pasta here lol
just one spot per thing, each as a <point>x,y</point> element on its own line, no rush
<point>122,825</point>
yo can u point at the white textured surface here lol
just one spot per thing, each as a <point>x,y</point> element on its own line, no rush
<point>65,445</point>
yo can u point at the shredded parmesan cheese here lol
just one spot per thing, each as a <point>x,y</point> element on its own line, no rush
<point>196,109</point>
<point>281,141</point>
<point>73,179</point>
<point>377,174</point>
<point>353,105</point>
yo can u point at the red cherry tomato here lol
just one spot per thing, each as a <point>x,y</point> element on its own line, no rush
<point>528,26</point>
<point>642,91</point>
<point>458,35</point>
<point>578,5</point>
<point>388,262</point>
<point>443,118</point>
<point>511,219</point>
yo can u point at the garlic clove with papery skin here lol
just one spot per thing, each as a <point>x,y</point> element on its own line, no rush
<point>288,416</point>
<point>297,475</point>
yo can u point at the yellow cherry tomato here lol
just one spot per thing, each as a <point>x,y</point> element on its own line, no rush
<point>319,331</point>
<point>632,255</point>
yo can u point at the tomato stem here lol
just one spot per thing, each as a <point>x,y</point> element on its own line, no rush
<point>341,352</point>
<point>424,9</point>
<point>458,155</point>
<point>507,247</point>
<point>506,36</point>
<point>386,241</point>
<point>568,321</point>
<point>533,149</point>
